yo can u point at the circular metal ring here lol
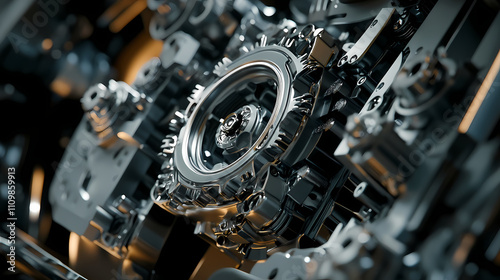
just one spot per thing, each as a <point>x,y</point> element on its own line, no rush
<point>277,69</point>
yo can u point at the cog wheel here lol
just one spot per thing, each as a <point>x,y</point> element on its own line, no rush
<point>222,166</point>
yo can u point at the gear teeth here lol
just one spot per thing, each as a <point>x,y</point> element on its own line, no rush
<point>275,144</point>
<point>197,92</point>
<point>263,41</point>
<point>244,49</point>
<point>169,143</point>
<point>283,141</point>
<point>289,43</point>
<point>303,58</point>
<point>282,41</point>
<point>303,104</point>
<point>221,66</point>
<point>319,6</point>
<point>177,122</point>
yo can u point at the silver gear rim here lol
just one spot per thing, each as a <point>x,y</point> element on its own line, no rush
<point>282,69</point>
<point>187,187</point>
<point>199,184</point>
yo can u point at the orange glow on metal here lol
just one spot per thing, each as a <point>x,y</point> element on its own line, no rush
<point>164,9</point>
<point>136,54</point>
<point>117,8</point>
<point>463,250</point>
<point>480,95</point>
<point>36,193</point>
<point>74,240</point>
<point>127,16</point>
<point>129,139</point>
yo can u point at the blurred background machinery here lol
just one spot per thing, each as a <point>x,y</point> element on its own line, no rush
<point>245,139</point>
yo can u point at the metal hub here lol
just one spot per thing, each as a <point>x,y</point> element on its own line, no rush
<point>238,129</point>
<point>229,129</point>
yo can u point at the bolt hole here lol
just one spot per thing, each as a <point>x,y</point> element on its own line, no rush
<point>414,70</point>
<point>273,273</point>
<point>313,196</point>
<point>346,243</point>
<point>274,171</point>
<point>115,155</point>
<point>360,189</point>
<point>380,86</point>
<point>374,103</point>
<point>306,31</point>
<point>221,240</point>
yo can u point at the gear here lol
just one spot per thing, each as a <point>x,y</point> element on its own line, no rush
<point>223,166</point>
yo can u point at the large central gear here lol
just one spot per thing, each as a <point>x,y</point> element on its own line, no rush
<point>222,167</point>
<point>222,98</point>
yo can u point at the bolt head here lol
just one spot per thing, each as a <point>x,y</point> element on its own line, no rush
<point>353,59</point>
<point>361,80</point>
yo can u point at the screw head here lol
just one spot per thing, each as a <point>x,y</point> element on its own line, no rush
<point>342,61</point>
<point>360,189</point>
<point>353,59</point>
<point>361,80</point>
<point>398,24</point>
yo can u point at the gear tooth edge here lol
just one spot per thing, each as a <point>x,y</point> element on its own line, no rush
<point>168,144</point>
<point>218,69</point>
<point>226,61</point>
<point>197,91</point>
<point>221,66</point>
<point>282,41</point>
<point>263,41</point>
<point>244,49</point>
